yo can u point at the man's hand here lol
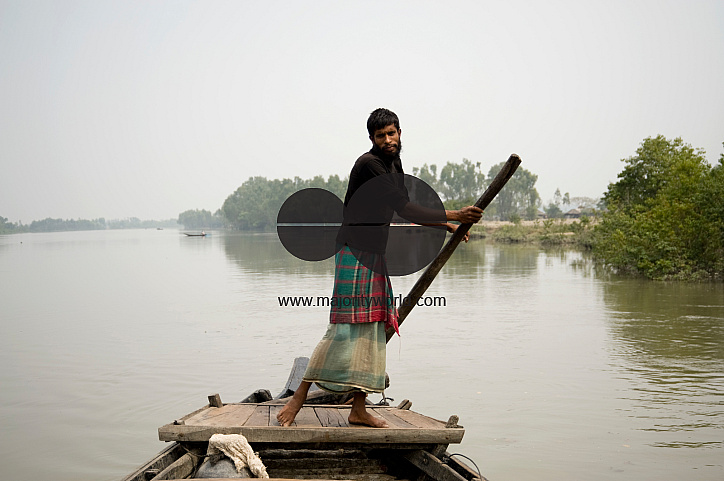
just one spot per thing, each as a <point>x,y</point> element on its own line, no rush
<point>453,227</point>
<point>466,215</point>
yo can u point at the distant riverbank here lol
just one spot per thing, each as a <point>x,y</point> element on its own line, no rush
<point>571,232</point>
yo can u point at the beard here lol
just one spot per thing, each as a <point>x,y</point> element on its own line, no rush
<point>385,156</point>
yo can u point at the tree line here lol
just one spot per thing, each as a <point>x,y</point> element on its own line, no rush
<point>461,184</point>
<point>63,225</point>
<point>256,203</point>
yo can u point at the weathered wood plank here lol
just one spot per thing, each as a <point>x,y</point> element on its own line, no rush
<point>215,400</point>
<point>158,463</point>
<point>229,414</point>
<point>192,414</point>
<point>273,411</point>
<point>260,417</point>
<point>240,415</point>
<point>463,469</point>
<point>346,447</point>
<point>330,473</point>
<point>297,453</point>
<point>359,434</point>
<point>377,477</point>
<point>432,466</point>
<point>274,465</point>
<point>393,421</point>
<point>233,417</point>
<point>330,417</point>
<point>419,420</point>
<point>179,469</point>
<point>307,417</point>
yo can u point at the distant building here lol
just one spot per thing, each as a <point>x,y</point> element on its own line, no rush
<point>572,214</point>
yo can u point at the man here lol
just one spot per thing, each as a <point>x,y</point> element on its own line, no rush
<point>351,357</point>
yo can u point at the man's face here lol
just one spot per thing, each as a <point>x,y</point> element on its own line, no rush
<point>387,139</point>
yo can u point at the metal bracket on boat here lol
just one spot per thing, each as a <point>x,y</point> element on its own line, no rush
<point>384,400</point>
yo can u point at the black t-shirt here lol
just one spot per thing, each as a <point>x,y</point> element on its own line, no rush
<point>366,222</point>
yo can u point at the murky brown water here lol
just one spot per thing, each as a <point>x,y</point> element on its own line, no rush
<point>556,372</point>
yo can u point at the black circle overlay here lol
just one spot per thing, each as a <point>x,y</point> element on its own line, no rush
<point>308,223</point>
<point>381,224</point>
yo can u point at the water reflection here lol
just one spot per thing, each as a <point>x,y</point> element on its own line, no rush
<point>517,260</point>
<point>264,253</point>
<point>673,321</point>
<point>480,259</point>
<point>667,341</point>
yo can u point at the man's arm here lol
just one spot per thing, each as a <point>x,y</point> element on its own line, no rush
<point>428,217</point>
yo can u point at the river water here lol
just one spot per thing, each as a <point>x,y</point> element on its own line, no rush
<point>556,371</point>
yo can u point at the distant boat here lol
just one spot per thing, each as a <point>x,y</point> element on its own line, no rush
<point>201,234</point>
<point>159,228</point>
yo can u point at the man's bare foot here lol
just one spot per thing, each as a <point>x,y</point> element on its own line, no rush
<point>359,414</point>
<point>287,414</point>
<point>366,419</point>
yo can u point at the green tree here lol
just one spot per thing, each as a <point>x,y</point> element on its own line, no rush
<point>553,211</point>
<point>256,203</point>
<point>427,175</point>
<point>519,196</point>
<point>337,186</point>
<point>463,182</point>
<point>663,217</point>
<point>658,164</point>
<point>8,227</point>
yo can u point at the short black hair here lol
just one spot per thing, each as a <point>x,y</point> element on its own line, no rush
<point>381,118</point>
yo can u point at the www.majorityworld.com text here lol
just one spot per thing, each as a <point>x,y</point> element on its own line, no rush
<point>359,301</point>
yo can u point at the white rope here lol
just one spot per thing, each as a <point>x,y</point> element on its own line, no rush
<point>237,448</point>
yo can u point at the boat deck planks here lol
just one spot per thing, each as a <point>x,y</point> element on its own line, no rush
<point>332,417</point>
<point>314,424</point>
<point>307,417</point>
<point>392,420</point>
<point>224,416</point>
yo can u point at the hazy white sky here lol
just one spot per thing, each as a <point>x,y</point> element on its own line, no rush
<point>135,108</point>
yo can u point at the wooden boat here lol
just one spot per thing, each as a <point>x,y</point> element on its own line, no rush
<point>320,445</point>
<point>202,234</point>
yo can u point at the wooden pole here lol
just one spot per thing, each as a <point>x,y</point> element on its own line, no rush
<point>429,275</point>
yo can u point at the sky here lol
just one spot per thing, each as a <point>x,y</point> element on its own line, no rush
<point>120,109</point>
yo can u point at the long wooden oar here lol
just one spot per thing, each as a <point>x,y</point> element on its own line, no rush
<point>429,275</point>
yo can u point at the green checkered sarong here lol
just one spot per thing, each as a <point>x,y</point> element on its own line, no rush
<point>350,357</point>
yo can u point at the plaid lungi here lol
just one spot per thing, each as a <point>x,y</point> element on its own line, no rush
<point>361,294</point>
<point>351,355</point>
